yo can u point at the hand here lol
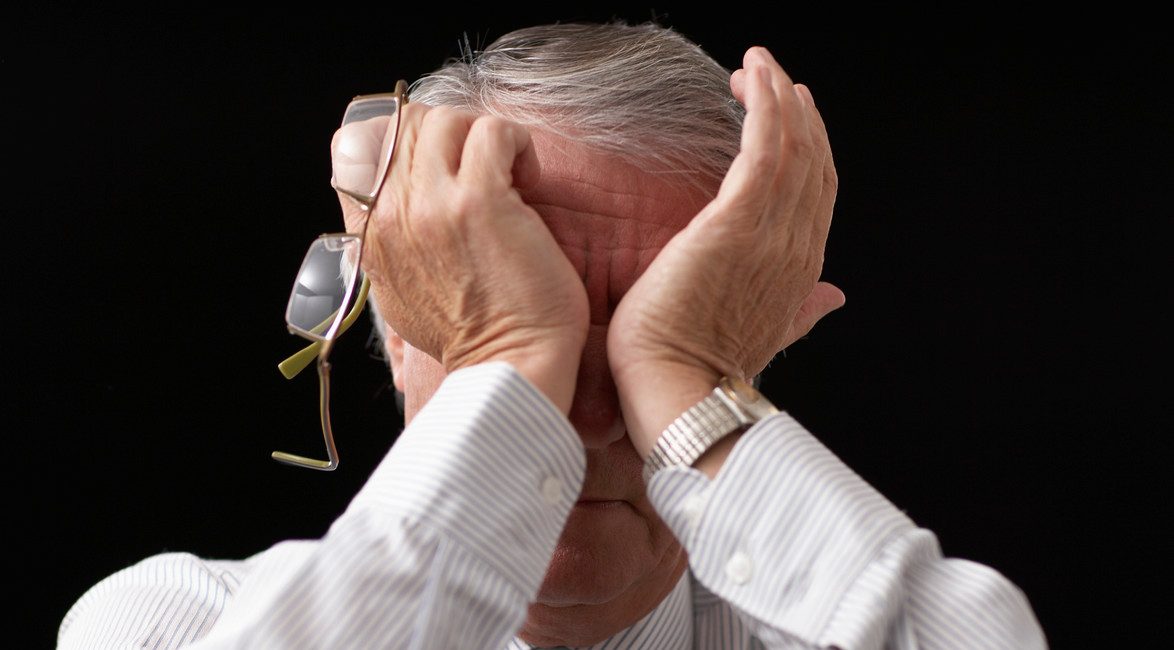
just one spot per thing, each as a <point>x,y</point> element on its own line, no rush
<point>460,267</point>
<point>741,282</point>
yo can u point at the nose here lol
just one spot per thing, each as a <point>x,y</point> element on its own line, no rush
<point>595,411</point>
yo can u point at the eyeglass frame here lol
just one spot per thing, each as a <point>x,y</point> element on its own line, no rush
<point>321,346</point>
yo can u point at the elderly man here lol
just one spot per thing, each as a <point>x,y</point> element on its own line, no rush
<point>585,239</point>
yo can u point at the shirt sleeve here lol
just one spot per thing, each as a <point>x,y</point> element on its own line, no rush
<point>444,546</point>
<point>810,556</point>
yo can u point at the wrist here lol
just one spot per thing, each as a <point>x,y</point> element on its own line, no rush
<point>712,460</point>
<point>701,434</point>
<point>653,394</point>
<point>550,364</point>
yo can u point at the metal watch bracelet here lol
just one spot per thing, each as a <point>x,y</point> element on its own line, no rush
<point>706,422</point>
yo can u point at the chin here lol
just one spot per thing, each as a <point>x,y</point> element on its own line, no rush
<point>600,556</point>
<point>611,567</point>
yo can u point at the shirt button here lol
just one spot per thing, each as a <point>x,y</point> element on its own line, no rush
<point>693,506</point>
<point>552,490</point>
<point>738,569</point>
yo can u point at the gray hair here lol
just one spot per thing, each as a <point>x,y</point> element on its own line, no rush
<point>642,92</point>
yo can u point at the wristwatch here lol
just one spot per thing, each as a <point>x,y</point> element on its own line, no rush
<point>733,406</point>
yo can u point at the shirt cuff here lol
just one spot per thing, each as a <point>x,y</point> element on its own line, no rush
<point>784,530</point>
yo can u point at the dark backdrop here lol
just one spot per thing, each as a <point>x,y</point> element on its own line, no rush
<point>996,235</point>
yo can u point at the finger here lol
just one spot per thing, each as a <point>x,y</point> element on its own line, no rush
<point>495,150</point>
<point>527,169</point>
<point>427,146</point>
<point>771,168</point>
<point>440,133</point>
<point>807,207</point>
<point>354,158</point>
<point>386,224</point>
<point>354,152</point>
<point>750,178</point>
<point>829,179</point>
<point>796,150</point>
<point>738,85</point>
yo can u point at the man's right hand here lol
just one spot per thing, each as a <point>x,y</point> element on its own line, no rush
<point>460,267</point>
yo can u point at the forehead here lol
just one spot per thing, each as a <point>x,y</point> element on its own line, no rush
<point>596,200</point>
<point>610,217</point>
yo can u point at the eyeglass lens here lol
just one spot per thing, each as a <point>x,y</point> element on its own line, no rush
<point>324,286</point>
<point>362,145</point>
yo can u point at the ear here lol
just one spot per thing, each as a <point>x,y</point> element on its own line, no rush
<point>394,345</point>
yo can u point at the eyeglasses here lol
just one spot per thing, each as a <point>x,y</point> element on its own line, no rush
<point>324,301</point>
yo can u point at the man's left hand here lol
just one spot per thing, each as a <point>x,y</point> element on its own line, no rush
<point>741,282</point>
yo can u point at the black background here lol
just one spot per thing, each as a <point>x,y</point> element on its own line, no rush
<point>996,372</point>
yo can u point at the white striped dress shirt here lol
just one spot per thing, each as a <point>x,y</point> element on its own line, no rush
<point>448,542</point>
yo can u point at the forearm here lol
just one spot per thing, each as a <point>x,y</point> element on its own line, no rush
<point>445,545</point>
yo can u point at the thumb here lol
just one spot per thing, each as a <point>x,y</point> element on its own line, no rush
<point>355,156</point>
<point>823,300</point>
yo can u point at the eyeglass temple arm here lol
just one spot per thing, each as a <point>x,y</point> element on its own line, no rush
<point>298,361</point>
<point>327,432</point>
<point>301,360</point>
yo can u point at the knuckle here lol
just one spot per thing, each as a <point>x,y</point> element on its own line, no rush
<point>465,200</point>
<point>814,266</point>
<point>415,110</point>
<point>491,127</point>
<point>831,178</point>
<point>433,116</point>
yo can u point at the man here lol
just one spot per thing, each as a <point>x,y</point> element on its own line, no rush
<point>581,234</point>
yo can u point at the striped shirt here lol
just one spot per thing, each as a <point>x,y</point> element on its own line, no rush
<point>449,539</point>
